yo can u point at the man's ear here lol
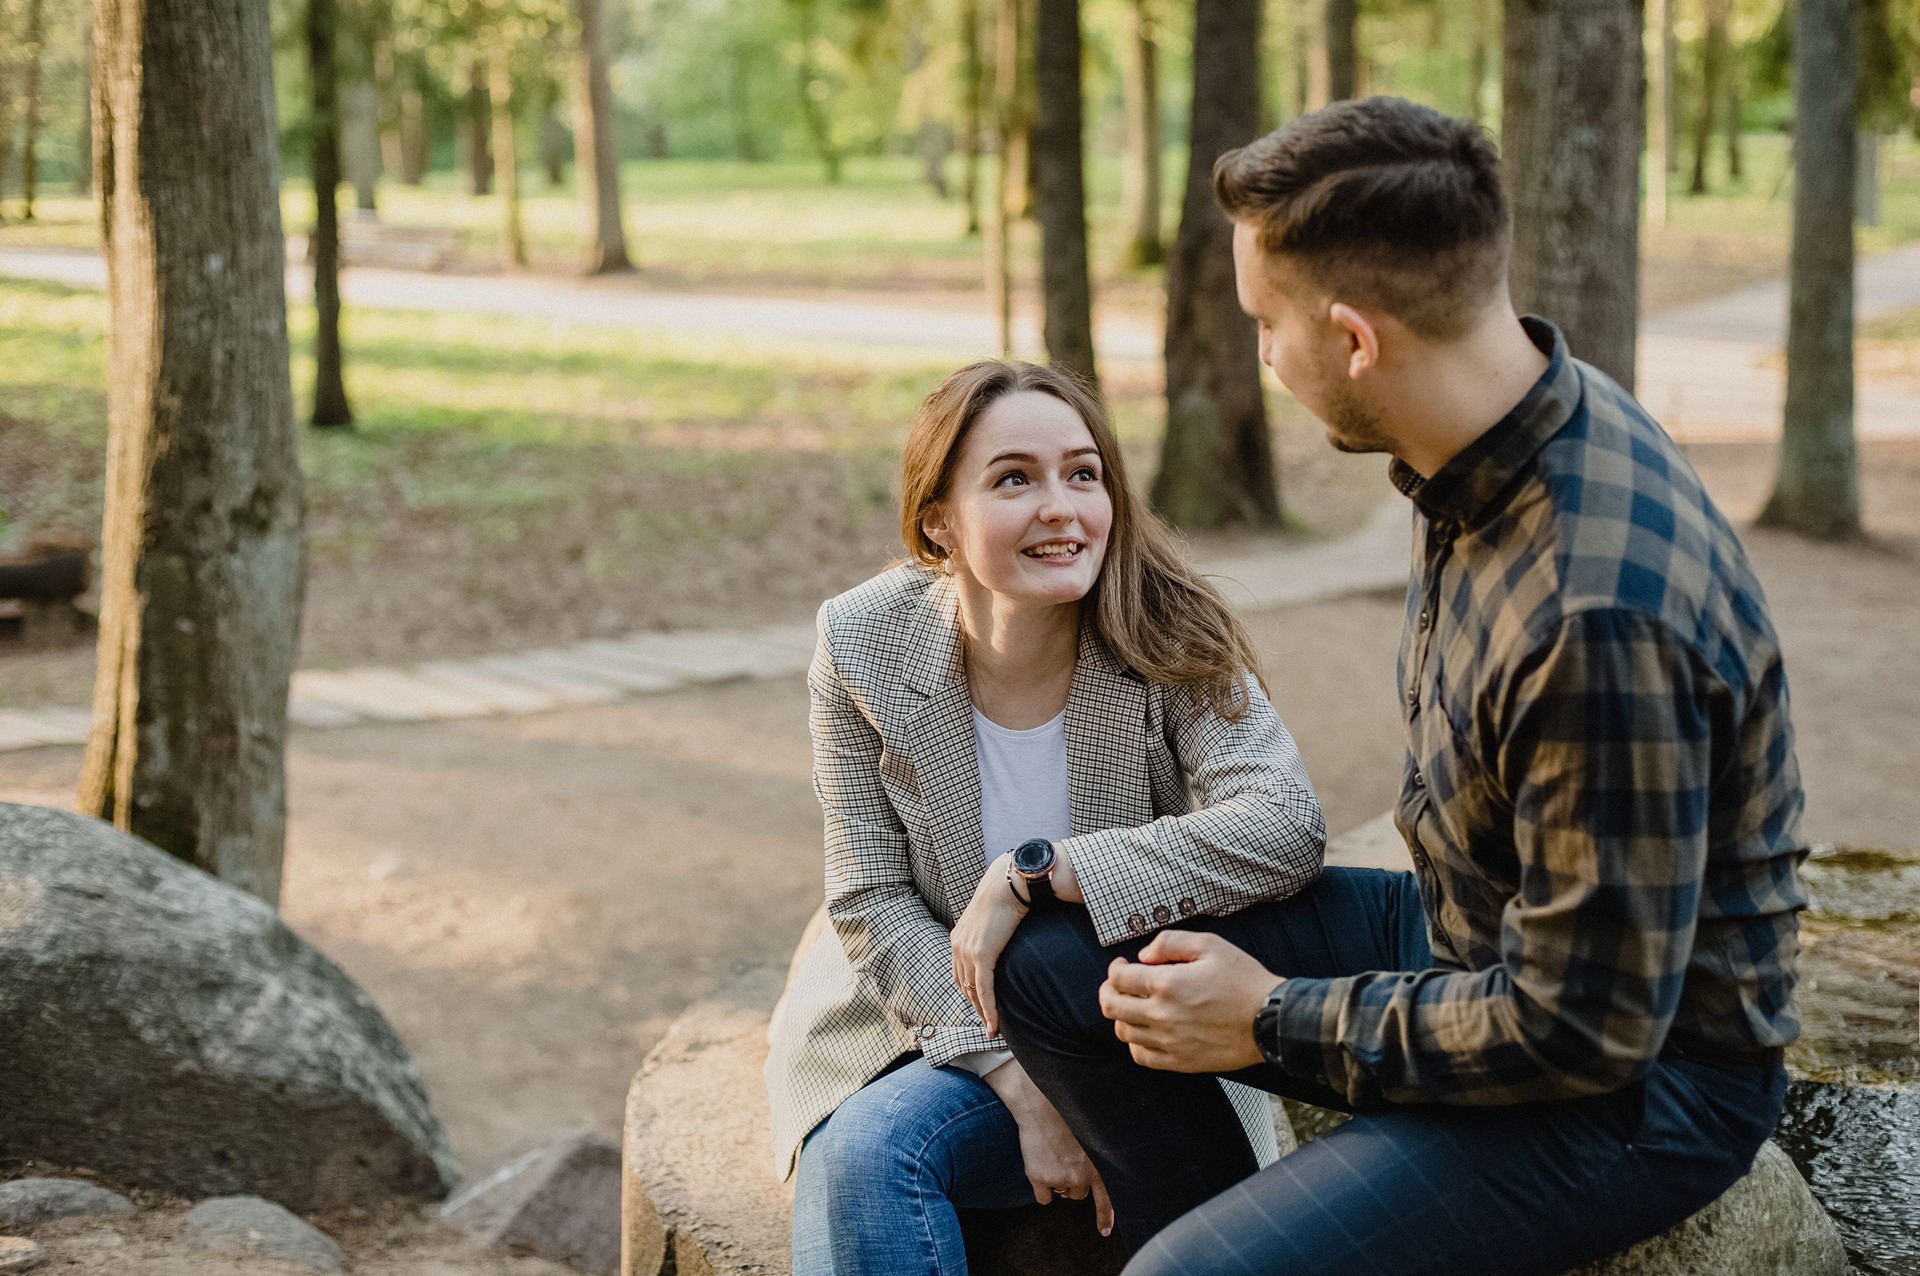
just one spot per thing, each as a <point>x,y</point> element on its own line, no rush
<point>1363,342</point>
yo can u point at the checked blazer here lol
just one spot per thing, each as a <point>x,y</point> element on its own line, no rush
<point>1176,812</point>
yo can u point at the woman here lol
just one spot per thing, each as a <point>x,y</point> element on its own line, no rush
<point>1047,672</point>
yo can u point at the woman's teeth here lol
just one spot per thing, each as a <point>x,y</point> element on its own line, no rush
<point>1052,549</point>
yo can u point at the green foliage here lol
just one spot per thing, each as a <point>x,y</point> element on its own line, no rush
<point>64,105</point>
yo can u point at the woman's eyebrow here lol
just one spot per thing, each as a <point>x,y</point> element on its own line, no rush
<point>1031,459</point>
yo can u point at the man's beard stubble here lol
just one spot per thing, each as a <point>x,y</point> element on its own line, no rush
<point>1353,426</point>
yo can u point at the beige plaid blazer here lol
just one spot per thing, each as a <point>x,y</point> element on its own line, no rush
<point>1175,812</point>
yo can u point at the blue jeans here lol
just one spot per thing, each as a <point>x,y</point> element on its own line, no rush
<point>880,1179</point>
<point>1434,1190</point>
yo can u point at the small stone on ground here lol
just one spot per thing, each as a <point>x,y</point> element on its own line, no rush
<point>253,1226</point>
<point>18,1254</point>
<point>560,1201</point>
<point>28,1203</point>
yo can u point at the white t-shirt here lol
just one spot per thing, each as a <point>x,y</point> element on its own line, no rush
<point>1023,795</point>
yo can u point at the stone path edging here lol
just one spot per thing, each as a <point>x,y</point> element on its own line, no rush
<point>605,670</point>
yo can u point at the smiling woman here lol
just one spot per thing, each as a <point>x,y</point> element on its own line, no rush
<point>1047,708</point>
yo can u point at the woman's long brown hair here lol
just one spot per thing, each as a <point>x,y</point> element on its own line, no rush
<point>1158,616</point>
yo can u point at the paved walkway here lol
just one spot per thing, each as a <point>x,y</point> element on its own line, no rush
<point>606,670</point>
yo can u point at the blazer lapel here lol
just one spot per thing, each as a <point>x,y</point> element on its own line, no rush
<point>940,736</point>
<point>1107,787</point>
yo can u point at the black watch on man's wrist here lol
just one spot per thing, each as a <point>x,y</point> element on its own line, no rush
<point>1033,860</point>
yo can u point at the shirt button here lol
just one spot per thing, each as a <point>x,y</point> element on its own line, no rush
<point>1419,781</point>
<point>1162,914</point>
<point>1138,922</point>
<point>1186,906</point>
<point>1426,619</point>
<point>1413,697</point>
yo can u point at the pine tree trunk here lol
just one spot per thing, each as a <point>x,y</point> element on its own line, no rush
<point>1141,202</point>
<point>970,113</point>
<point>1736,165</point>
<point>1343,49</point>
<point>359,137</point>
<point>506,164</point>
<point>1006,187</point>
<point>596,156</point>
<point>1571,136</point>
<point>1817,491</point>
<point>479,129</point>
<point>1659,98</point>
<point>413,136</point>
<point>1216,469</point>
<point>746,145</point>
<point>330,406</point>
<point>30,154</point>
<point>1713,59</point>
<point>203,562</point>
<point>83,172</point>
<point>6,103</point>
<point>1066,290</point>
<point>553,149</point>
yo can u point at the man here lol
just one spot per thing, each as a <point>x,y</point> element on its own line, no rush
<point>1562,1032</point>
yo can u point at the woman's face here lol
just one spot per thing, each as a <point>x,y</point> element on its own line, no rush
<point>1028,513</point>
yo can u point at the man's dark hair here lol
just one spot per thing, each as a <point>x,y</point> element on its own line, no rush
<point>1381,202</point>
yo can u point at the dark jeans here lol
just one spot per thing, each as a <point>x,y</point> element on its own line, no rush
<point>1531,1188</point>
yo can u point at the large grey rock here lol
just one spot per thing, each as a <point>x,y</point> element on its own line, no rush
<point>27,1203</point>
<point>249,1227</point>
<point>1767,1224</point>
<point>168,1030</point>
<point>560,1201</point>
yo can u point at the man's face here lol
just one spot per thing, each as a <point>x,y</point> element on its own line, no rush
<point>1309,352</point>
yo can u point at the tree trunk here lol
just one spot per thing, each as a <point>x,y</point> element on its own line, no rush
<point>1343,49</point>
<point>1817,491</point>
<point>1066,291</point>
<point>413,135</point>
<point>1736,166</point>
<point>30,154</point>
<point>596,158</point>
<point>203,562</point>
<point>1713,59</point>
<point>1480,62</point>
<point>1216,468</point>
<point>6,105</point>
<point>935,143</point>
<point>1572,129</point>
<point>330,406</point>
<point>479,126</point>
<point>359,115</point>
<point>553,149</point>
<point>83,171</point>
<point>506,164</point>
<point>970,113</point>
<point>386,78</point>
<point>1006,200</point>
<point>1141,202</point>
<point>814,93</point>
<point>1659,101</point>
<point>746,146</point>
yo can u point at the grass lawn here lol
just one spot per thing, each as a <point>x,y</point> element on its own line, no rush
<point>778,225</point>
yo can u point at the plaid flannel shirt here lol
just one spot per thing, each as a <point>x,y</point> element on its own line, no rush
<point>1600,793</point>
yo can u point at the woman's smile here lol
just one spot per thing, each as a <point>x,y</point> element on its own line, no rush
<point>1055,551</point>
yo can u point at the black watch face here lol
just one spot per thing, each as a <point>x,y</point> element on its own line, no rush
<point>1030,859</point>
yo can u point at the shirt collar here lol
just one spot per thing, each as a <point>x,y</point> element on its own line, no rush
<point>1463,489</point>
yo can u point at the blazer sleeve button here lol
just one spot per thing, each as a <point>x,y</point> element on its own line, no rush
<point>1186,906</point>
<point>1162,914</point>
<point>926,1033</point>
<point>1138,922</point>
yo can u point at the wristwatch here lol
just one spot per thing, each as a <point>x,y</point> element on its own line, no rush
<point>1034,861</point>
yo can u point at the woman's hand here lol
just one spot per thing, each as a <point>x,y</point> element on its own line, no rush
<point>1055,1163</point>
<point>978,938</point>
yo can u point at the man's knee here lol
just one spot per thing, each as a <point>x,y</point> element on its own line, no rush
<point>1052,969</point>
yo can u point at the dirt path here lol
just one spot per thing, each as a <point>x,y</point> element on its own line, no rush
<point>533,899</point>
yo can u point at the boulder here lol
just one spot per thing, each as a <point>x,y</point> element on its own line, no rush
<point>169,1031</point>
<point>249,1227</point>
<point>560,1201</point>
<point>18,1254</point>
<point>27,1203</point>
<point>1767,1224</point>
<point>1859,1150</point>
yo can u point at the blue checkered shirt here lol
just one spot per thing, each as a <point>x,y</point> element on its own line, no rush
<point>1600,793</point>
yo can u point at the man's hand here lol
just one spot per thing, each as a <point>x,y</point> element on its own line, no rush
<point>1188,1005</point>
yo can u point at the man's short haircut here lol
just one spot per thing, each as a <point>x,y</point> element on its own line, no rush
<point>1381,202</point>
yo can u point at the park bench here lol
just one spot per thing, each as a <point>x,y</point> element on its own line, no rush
<point>40,590</point>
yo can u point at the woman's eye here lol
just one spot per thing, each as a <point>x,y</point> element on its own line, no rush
<point>1087,472</point>
<point>1010,477</point>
